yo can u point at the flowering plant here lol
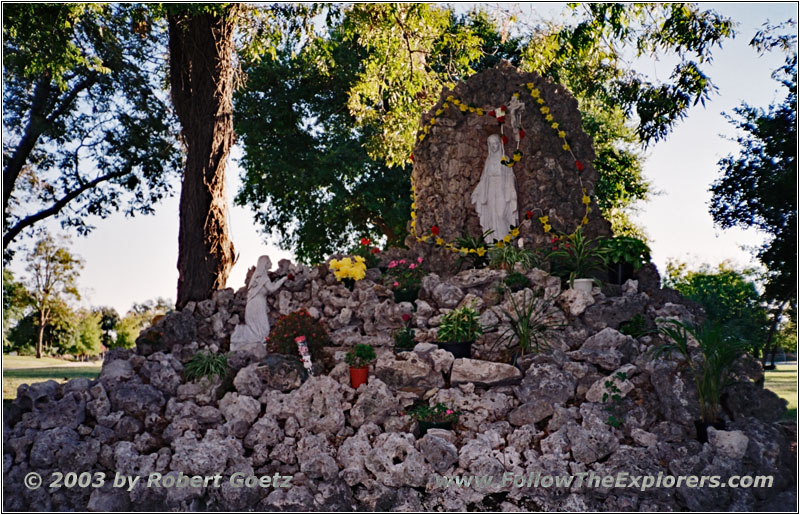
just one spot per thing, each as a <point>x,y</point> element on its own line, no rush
<point>404,338</point>
<point>347,268</point>
<point>438,413</point>
<point>366,250</point>
<point>405,274</point>
<point>575,256</point>
<point>299,323</point>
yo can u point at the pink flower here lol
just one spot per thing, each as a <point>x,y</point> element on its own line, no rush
<point>449,412</point>
<point>412,266</point>
<point>392,264</point>
<point>419,260</point>
<point>395,284</point>
<point>402,261</point>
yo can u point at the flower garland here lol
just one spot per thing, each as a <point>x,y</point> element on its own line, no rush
<point>499,113</point>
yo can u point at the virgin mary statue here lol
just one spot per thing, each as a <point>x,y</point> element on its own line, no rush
<point>495,197</point>
<point>256,322</point>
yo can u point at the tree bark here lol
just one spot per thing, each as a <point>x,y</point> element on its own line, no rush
<point>776,318</point>
<point>201,50</point>
<point>40,340</point>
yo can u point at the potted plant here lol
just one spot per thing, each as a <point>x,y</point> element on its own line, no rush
<point>527,325</point>
<point>404,338</point>
<point>359,359</point>
<point>624,255</point>
<point>438,416</point>
<point>576,257</point>
<point>405,279</point>
<point>458,331</point>
<point>348,270</point>
<point>508,257</point>
<point>712,373</point>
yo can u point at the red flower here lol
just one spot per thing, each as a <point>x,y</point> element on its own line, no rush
<point>435,230</point>
<point>505,140</point>
<point>555,239</point>
<point>290,277</point>
<point>374,250</point>
<point>491,113</point>
<point>501,119</point>
<point>365,241</point>
<point>503,107</point>
<point>411,157</point>
<point>529,214</point>
<point>579,166</point>
<point>406,317</point>
<point>521,134</point>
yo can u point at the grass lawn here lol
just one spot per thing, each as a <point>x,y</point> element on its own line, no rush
<point>24,369</point>
<point>783,381</point>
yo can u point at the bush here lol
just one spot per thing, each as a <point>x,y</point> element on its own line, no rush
<point>459,326</point>
<point>361,356</point>
<point>515,281</point>
<point>438,413</point>
<point>206,364</point>
<point>509,256</point>
<point>299,323</point>
<point>529,324</point>
<point>404,338</point>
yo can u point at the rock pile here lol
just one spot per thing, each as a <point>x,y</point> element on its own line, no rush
<point>348,449</point>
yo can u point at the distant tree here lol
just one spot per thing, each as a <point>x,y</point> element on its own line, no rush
<point>729,297</point>
<point>86,129</point>
<point>109,319</point>
<point>59,336</point>
<point>128,330</point>
<point>89,334</point>
<point>16,300</point>
<point>53,274</point>
<point>139,317</point>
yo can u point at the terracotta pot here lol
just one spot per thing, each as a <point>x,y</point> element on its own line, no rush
<point>358,376</point>
<point>584,285</point>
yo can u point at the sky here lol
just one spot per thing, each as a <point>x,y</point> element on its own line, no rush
<point>131,260</point>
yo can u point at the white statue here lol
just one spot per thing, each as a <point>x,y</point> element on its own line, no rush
<point>256,324</point>
<point>495,197</point>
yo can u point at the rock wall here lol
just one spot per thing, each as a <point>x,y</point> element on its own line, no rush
<point>448,163</point>
<point>356,449</point>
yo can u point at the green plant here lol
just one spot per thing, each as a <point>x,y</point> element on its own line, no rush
<point>613,393</point>
<point>299,323</point>
<point>405,274</point>
<point>438,413</point>
<point>510,255</point>
<point>636,327</point>
<point>404,338</point>
<point>367,251</point>
<point>361,356</point>
<point>574,256</point>
<point>626,249</point>
<point>711,373</point>
<point>477,259</point>
<point>514,281</point>
<point>460,326</point>
<point>206,364</point>
<point>529,324</point>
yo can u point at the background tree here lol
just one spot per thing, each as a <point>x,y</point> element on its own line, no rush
<point>728,296</point>
<point>378,67</point>
<point>109,319</point>
<point>53,274</point>
<point>138,318</point>
<point>86,130</point>
<point>58,337</point>
<point>16,300</point>
<point>89,338</point>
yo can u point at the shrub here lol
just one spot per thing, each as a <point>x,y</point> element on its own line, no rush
<point>206,364</point>
<point>636,327</point>
<point>529,324</point>
<point>476,254</point>
<point>459,326</point>
<point>361,356</point>
<point>509,256</point>
<point>438,413</point>
<point>405,275</point>
<point>404,338</point>
<point>368,252</point>
<point>299,323</point>
<point>574,256</point>
<point>515,281</point>
<point>626,249</point>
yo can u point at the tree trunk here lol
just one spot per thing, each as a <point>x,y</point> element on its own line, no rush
<point>201,50</point>
<point>776,318</point>
<point>40,340</point>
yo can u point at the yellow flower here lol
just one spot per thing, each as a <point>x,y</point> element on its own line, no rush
<point>515,233</point>
<point>529,85</point>
<point>586,200</point>
<point>546,227</point>
<point>445,105</point>
<point>562,134</point>
<point>544,109</point>
<point>565,146</point>
<point>585,220</point>
<point>554,125</point>
<point>472,251</point>
<point>425,238</point>
<point>426,129</point>
<point>450,97</point>
<point>439,112</point>
<point>472,109</point>
<point>515,95</point>
<point>413,205</point>
<point>507,239</point>
<point>439,241</point>
<point>535,93</point>
<point>481,251</point>
<point>479,111</point>
<point>544,219</point>
<point>540,101</point>
<point>456,101</point>
<point>516,157</point>
<point>463,108</point>
<point>500,244</point>
<point>549,117</point>
<point>421,137</point>
<point>433,121</point>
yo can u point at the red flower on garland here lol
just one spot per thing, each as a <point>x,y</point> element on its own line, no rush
<point>529,214</point>
<point>290,277</point>
<point>503,107</point>
<point>491,113</point>
<point>411,157</point>
<point>579,166</point>
<point>375,250</point>
<point>365,241</point>
<point>521,134</point>
<point>406,317</point>
<point>435,230</point>
<point>505,140</point>
<point>501,119</point>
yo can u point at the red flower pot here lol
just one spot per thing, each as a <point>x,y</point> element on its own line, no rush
<point>358,376</point>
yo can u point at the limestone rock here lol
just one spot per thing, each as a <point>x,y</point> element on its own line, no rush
<point>375,404</point>
<point>530,413</point>
<point>575,301</point>
<point>407,371</point>
<point>447,295</point>
<point>440,453</point>
<point>395,461</point>
<point>732,444</point>
<point>483,373</point>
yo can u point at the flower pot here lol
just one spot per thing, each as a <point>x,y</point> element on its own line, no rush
<point>702,428</point>
<point>424,426</point>
<point>618,273</point>
<point>458,349</point>
<point>403,295</point>
<point>358,376</point>
<point>584,285</point>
